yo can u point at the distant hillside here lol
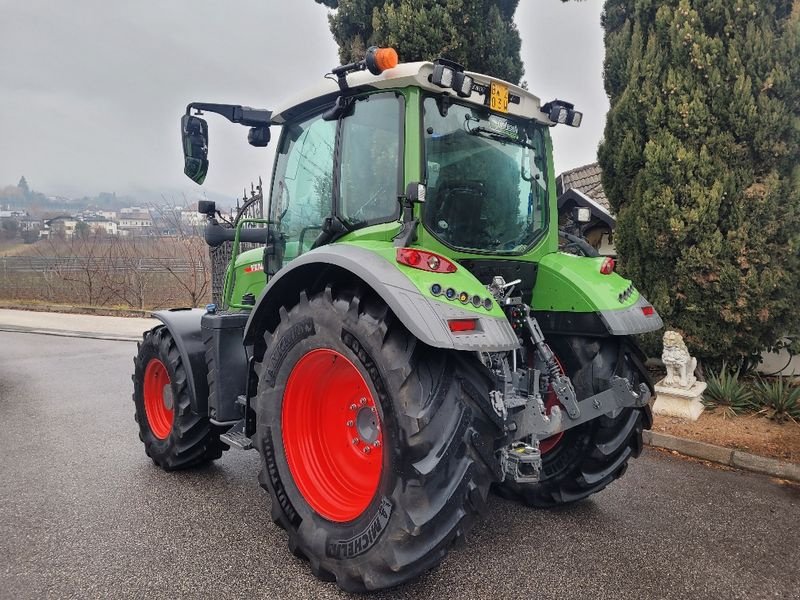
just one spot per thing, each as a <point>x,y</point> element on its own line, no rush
<point>22,197</point>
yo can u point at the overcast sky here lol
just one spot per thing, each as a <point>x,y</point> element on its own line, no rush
<point>91,91</point>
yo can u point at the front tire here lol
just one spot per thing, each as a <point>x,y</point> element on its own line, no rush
<point>174,437</point>
<point>587,458</point>
<point>331,361</point>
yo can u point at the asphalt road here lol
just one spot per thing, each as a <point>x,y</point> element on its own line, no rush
<point>84,513</point>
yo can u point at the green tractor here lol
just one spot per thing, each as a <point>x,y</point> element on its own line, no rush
<point>408,334</point>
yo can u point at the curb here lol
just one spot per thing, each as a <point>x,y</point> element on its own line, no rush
<point>76,309</point>
<point>724,456</point>
<point>71,334</point>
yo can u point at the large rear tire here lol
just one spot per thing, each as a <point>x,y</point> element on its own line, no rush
<point>585,459</point>
<point>348,399</point>
<point>173,436</point>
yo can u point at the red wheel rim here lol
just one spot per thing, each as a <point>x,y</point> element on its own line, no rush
<point>551,400</point>
<point>547,444</point>
<point>158,401</point>
<point>332,435</point>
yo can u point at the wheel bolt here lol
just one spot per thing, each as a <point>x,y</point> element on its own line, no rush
<point>363,401</point>
<point>366,449</point>
<point>353,407</point>
<point>377,443</point>
<point>355,441</point>
<point>350,423</point>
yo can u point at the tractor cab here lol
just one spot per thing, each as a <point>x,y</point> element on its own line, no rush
<point>474,151</point>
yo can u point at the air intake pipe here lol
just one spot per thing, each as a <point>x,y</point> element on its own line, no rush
<point>216,234</point>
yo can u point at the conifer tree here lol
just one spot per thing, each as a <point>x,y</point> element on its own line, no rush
<point>479,34</point>
<point>701,162</point>
<point>23,185</point>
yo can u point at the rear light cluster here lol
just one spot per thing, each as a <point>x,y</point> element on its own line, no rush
<point>424,260</point>
<point>607,266</point>
<point>463,297</point>
<point>434,263</point>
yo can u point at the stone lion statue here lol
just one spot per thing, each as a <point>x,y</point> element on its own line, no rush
<point>680,365</point>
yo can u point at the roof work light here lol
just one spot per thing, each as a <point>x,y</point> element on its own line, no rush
<point>449,74</point>
<point>561,112</point>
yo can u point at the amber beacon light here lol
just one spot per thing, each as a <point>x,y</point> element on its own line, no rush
<point>380,59</point>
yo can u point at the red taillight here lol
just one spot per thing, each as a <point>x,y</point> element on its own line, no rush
<point>426,261</point>
<point>457,325</point>
<point>648,311</point>
<point>607,267</point>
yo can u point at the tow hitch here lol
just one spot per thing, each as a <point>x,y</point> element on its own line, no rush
<point>519,397</point>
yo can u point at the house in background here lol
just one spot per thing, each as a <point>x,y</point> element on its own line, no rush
<point>583,188</point>
<point>63,226</point>
<point>101,224</point>
<point>135,221</point>
<point>28,223</point>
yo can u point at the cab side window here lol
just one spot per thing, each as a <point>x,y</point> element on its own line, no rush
<point>371,160</point>
<point>302,190</point>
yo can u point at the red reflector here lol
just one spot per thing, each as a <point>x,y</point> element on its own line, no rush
<point>648,311</point>
<point>425,261</point>
<point>457,325</point>
<point>608,266</point>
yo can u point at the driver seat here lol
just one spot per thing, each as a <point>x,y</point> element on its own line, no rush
<point>457,218</point>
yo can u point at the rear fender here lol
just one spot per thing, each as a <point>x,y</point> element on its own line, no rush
<point>425,317</point>
<point>184,326</point>
<point>572,296</point>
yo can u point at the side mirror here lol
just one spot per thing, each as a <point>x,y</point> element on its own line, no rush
<point>194,136</point>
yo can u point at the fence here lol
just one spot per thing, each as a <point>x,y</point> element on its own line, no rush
<point>252,207</point>
<point>63,264</point>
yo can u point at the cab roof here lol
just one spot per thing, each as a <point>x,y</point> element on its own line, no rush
<point>405,75</point>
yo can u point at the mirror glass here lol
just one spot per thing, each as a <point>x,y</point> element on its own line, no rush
<point>194,134</point>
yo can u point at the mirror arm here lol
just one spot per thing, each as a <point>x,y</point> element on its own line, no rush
<point>244,115</point>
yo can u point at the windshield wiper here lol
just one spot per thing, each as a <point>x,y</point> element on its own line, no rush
<point>499,137</point>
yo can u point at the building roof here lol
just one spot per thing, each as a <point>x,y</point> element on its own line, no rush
<point>136,217</point>
<point>587,180</point>
<point>59,218</point>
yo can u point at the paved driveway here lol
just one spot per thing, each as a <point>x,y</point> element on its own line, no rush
<point>83,513</point>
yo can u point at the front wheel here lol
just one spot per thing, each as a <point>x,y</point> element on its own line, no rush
<point>583,460</point>
<point>174,437</point>
<point>371,441</point>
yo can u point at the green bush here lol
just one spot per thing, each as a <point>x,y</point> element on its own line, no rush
<point>726,391</point>
<point>777,399</point>
<point>701,163</point>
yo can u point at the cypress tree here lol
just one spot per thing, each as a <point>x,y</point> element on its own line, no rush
<point>701,162</point>
<point>479,34</point>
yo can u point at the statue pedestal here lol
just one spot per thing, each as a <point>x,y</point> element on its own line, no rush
<point>679,402</point>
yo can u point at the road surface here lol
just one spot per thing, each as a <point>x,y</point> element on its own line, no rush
<point>84,514</point>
